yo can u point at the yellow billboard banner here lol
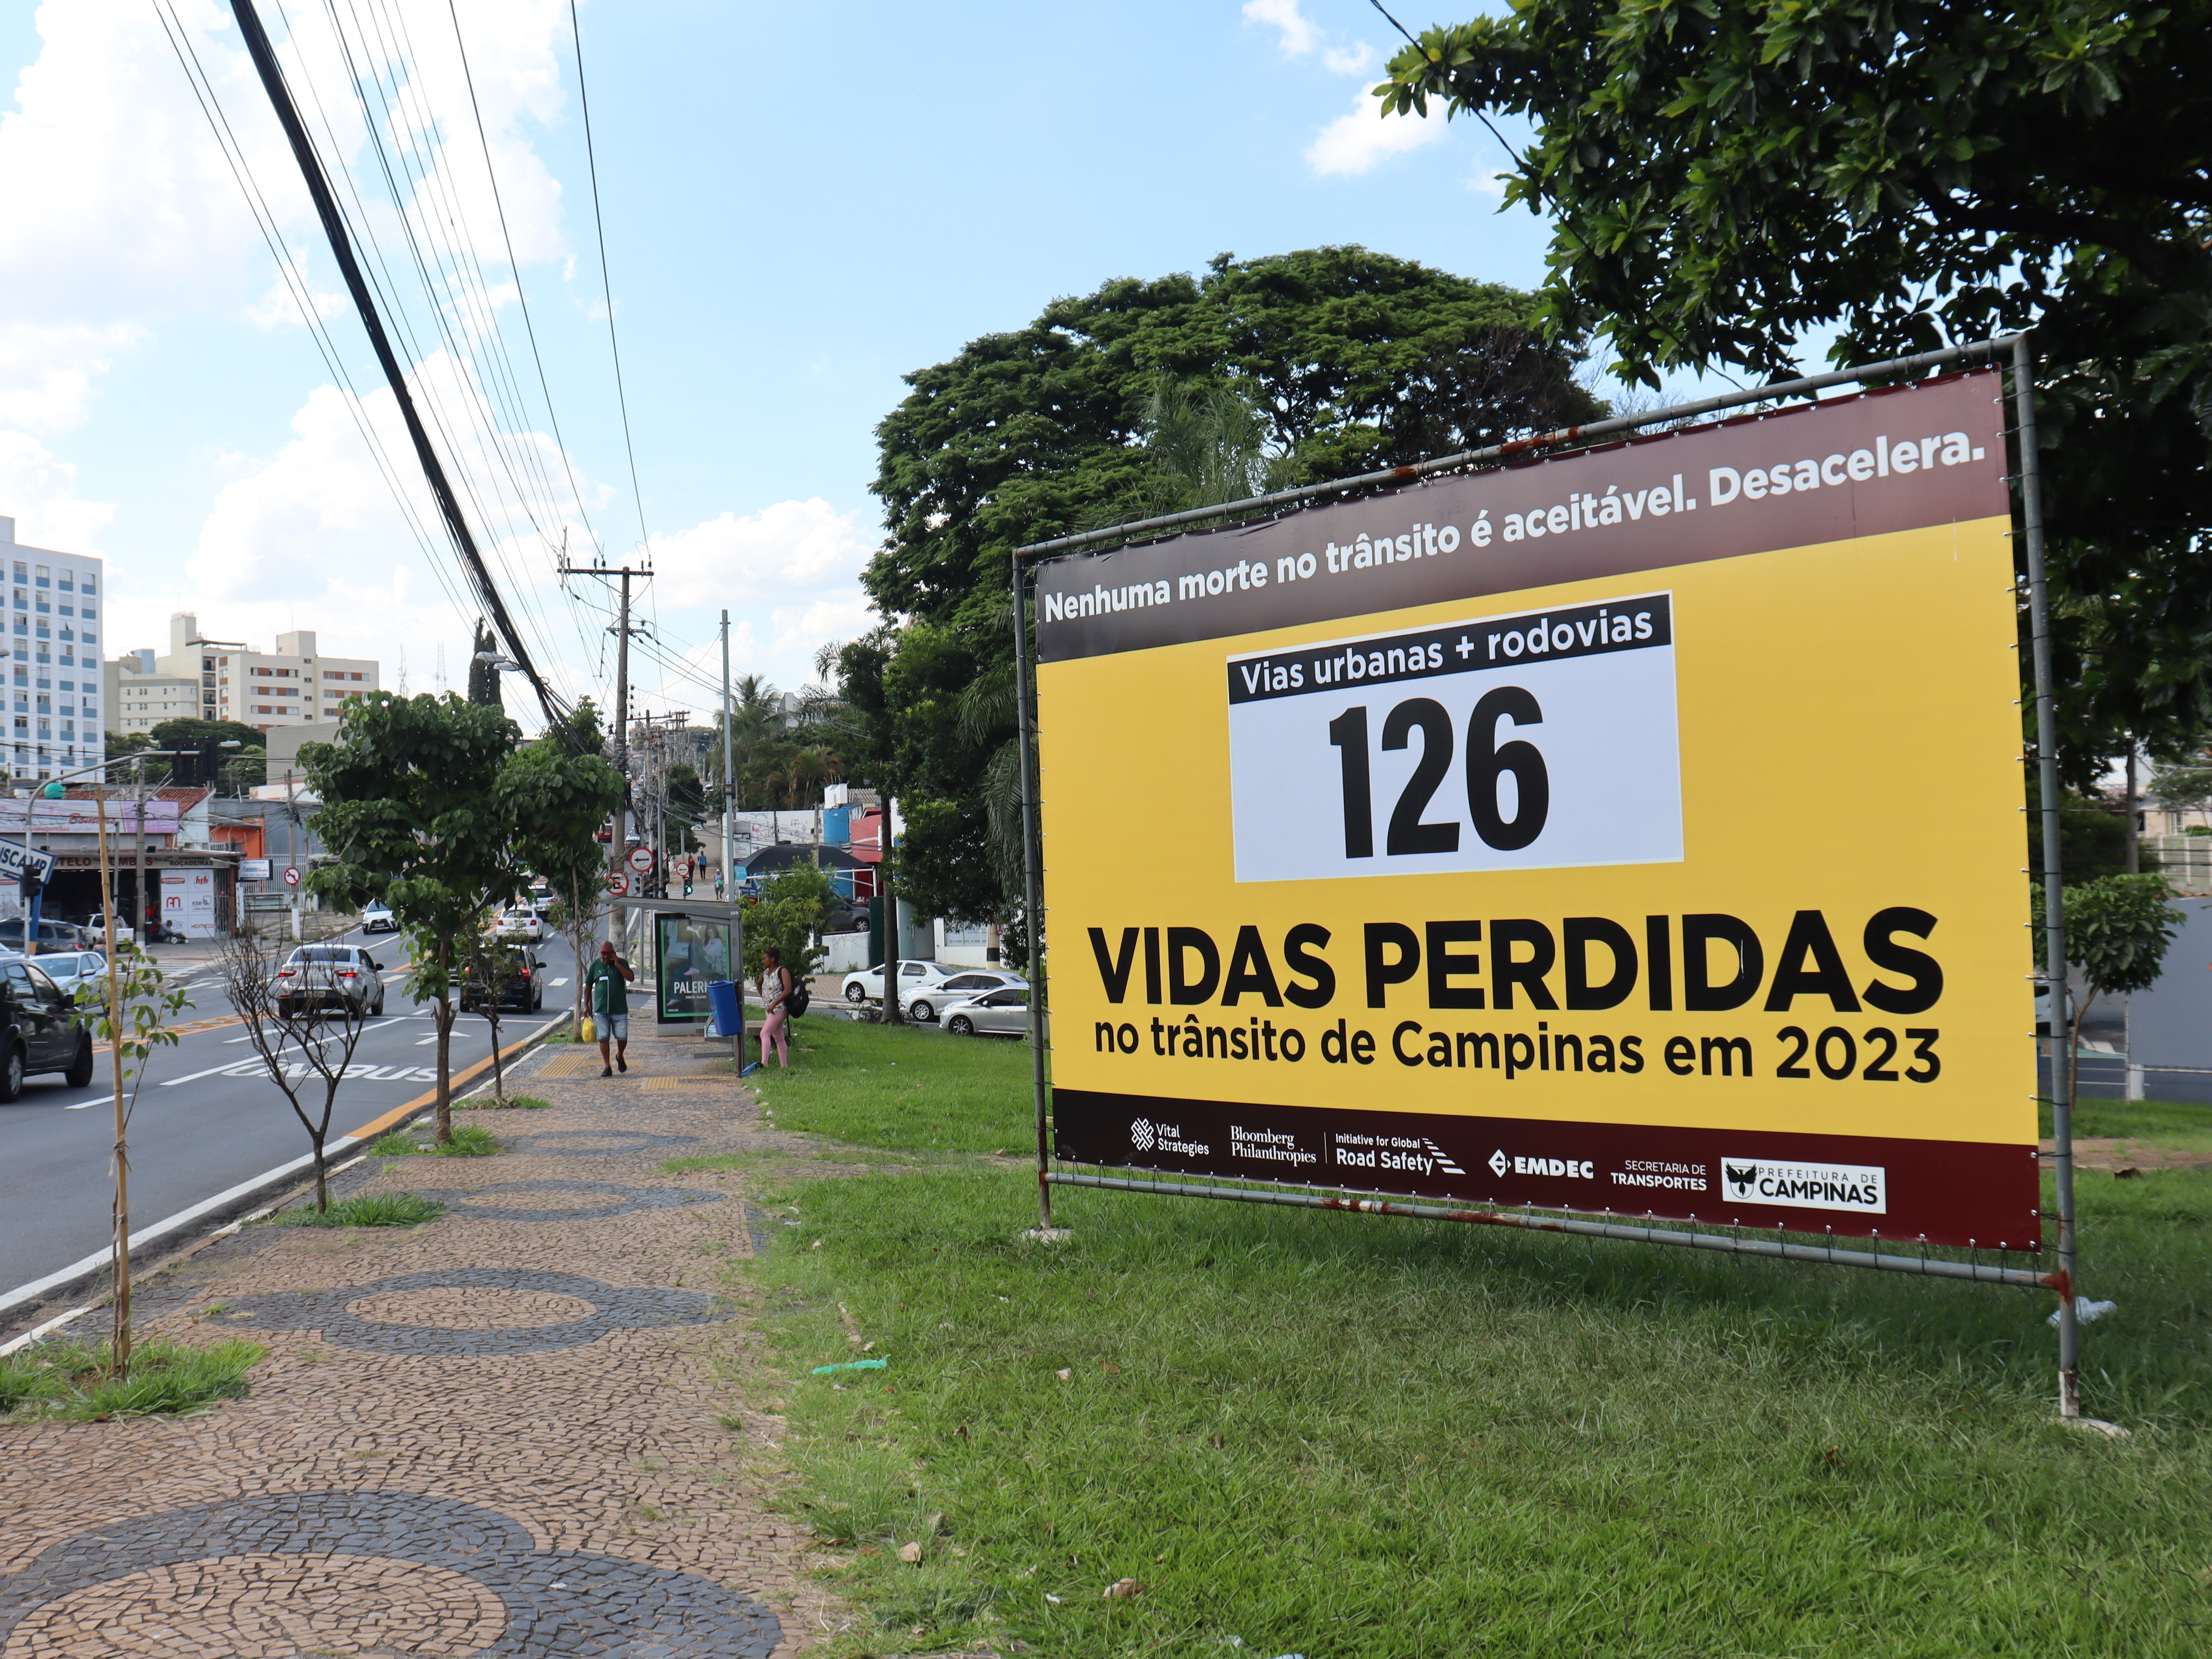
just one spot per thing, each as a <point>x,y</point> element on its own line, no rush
<point>1636,831</point>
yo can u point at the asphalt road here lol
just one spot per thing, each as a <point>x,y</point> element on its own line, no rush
<point>208,1117</point>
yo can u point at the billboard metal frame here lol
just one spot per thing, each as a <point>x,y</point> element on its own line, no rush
<point>2011,351</point>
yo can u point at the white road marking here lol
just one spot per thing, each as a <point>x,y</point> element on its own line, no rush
<point>558,983</point>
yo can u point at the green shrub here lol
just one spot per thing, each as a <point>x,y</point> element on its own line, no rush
<point>72,1381</point>
<point>365,1210</point>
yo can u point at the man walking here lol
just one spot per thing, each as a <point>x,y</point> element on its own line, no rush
<point>609,981</point>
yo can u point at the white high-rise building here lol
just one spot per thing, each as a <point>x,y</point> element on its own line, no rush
<point>54,671</point>
<point>292,685</point>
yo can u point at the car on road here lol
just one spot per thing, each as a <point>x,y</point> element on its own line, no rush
<point>866,984</point>
<point>378,919</point>
<point>962,987</point>
<point>52,935</point>
<point>523,989</point>
<point>40,1030</point>
<point>97,927</point>
<point>70,968</point>
<point>1004,1013</point>
<point>520,923</point>
<point>320,977</point>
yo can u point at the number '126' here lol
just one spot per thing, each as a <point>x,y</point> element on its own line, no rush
<point>1487,762</point>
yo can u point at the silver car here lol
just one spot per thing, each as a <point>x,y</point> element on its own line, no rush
<point>70,968</point>
<point>317,977</point>
<point>1003,1012</point>
<point>964,987</point>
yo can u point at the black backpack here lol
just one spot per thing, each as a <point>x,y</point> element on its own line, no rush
<point>795,1004</point>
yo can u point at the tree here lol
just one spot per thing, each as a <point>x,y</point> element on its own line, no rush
<point>488,969</point>
<point>562,789</point>
<point>2117,929</point>
<point>1726,180</point>
<point>305,1050</point>
<point>1141,397</point>
<point>788,914</point>
<point>484,676</point>
<point>417,813</point>
<point>1352,360</point>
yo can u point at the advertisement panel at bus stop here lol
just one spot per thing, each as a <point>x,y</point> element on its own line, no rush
<point>1635,831</point>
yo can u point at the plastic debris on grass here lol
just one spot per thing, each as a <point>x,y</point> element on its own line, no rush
<point>2085,1311</point>
<point>852,1365</point>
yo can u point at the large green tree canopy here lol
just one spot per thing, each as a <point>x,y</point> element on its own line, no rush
<point>1179,391</point>
<point>1352,360</point>
<point>1728,176</point>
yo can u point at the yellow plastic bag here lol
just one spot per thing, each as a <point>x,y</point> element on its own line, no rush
<point>586,1031</point>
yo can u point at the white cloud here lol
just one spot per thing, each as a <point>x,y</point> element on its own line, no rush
<point>1355,143</point>
<point>734,560</point>
<point>1298,35</point>
<point>38,490</point>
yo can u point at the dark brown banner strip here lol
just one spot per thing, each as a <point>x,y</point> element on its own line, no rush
<point>1939,1192</point>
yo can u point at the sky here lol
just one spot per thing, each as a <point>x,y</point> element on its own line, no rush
<point>799,209</point>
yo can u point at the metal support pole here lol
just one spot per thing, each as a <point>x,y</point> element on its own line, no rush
<point>140,930</point>
<point>729,782</point>
<point>1033,887</point>
<point>620,847</point>
<point>2054,904</point>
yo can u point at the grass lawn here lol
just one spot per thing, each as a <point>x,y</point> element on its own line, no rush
<point>1332,1436</point>
<point>901,1088</point>
<point>2152,1122</point>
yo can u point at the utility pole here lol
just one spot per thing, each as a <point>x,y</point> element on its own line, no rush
<point>143,931</point>
<point>619,846</point>
<point>729,769</point>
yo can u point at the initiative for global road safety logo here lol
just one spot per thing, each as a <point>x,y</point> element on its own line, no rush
<point>1141,1135</point>
<point>1806,1186</point>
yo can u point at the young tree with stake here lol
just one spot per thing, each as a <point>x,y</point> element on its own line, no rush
<point>306,1048</point>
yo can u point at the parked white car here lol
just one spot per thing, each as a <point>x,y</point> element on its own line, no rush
<point>867,984</point>
<point>962,986</point>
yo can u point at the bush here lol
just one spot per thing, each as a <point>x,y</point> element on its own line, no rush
<point>365,1210</point>
<point>470,1141</point>
<point>72,1380</point>
<point>788,914</point>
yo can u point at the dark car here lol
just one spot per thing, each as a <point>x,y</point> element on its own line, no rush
<point>40,1030</point>
<point>523,990</point>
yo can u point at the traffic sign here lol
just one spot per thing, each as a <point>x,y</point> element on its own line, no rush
<point>291,875</point>
<point>641,859</point>
<point>618,884</point>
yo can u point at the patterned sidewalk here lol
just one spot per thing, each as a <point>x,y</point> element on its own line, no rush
<point>499,1433</point>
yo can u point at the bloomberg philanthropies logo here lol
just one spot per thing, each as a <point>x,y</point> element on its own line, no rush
<point>1806,1186</point>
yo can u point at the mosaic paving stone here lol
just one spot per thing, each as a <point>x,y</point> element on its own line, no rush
<point>557,1603</point>
<point>616,1199</point>
<point>334,1312</point>
<point>557,1142</point>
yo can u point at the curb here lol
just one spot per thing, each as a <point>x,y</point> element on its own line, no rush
<point>243,1196</point>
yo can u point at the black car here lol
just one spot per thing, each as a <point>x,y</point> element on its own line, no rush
<point>40,1030</point>
<point>523,991</point>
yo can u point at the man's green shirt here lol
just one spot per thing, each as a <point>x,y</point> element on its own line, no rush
<point>608,992</point>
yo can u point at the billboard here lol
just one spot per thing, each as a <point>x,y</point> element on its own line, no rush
<point>691,953</point>
<point>188,902</point>
<point>1635,831</point>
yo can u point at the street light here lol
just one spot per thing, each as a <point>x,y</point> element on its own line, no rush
<point>504,664</point>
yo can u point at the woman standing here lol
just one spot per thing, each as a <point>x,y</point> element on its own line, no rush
<point>775,984</point>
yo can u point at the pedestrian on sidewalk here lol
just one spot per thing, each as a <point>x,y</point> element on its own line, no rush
<point>777,984</point>
<point>609,980</point>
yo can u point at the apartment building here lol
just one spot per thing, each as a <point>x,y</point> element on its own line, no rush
<point>140,696</point>
<point>293,686</point>
<point>52,641</point>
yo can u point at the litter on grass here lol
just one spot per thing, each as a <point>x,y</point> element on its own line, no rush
<point>2085,1311</point>
<point>852,1365</point>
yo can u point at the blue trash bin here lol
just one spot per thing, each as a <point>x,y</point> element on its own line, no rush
<point>722,1001</point>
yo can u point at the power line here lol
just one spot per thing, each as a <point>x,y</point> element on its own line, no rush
<point>334,227</point>
<point>606,286</point>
